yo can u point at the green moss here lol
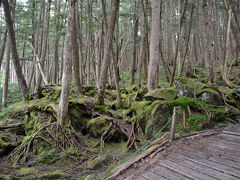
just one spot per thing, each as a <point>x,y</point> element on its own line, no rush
<point>26,171</point>
<point>101,108</point>
<point>139,106</point>
<point>91,93</point>
<point>25,140</point>
<point>196,121</point>
<point>184,102</point>
<point>48,157</point>
<point>162,94</point>
<point>57,174</point>
<point>98,161</point>
<point>98,125</point>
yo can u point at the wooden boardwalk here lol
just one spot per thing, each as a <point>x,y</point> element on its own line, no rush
<point>207,158</point>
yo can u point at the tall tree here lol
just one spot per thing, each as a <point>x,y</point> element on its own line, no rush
<point>153,69</point>
<point>18,69</point>
<point>135,31</point>
<point>44,49</point>
<point>67,64</point>
<point>107,50</point>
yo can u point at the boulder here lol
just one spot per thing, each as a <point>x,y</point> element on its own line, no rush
<point>167,94</point>
<point>210,96</point>
<point>159,117</point>
<point>97,126</point>
<point>151,116</point>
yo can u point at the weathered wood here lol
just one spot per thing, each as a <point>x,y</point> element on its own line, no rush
<point>224,154</point>
<point>186,171</point>
<point>167,173</point>
<point>231,133</point>
<point>216,159</point>
<point>224,148</point>
<point>202,169</point>
<point>173,127</point>
<point>210,164</point>
<point>229,137</point>
<point>153,176</point>
<point>140,178</point>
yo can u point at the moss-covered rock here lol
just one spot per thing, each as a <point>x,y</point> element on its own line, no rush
<point>210,96</point>
<point>162,94</point>
<point>98,161</point>
<point>98,125</point>
<point>151,116</point>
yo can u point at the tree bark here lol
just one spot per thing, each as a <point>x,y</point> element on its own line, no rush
<point>18,69</point>
<point>225,60</point>
<point>135,31</point>
<point>177,43</point>
<point>6,76</point>
<point>107,51</point>
<point>56,42</point>
<point>153,70</point>
<point>76,73</point>
<point>67,64</point>
<point>2,49</point>
<point>44,49</point>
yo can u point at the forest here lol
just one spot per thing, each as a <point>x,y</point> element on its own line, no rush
<point>91,83</point>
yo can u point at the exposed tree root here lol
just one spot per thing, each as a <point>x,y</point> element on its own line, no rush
<point>57,136</point>
<point>131,132</point>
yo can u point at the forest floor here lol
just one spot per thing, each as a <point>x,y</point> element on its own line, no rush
<point>98,139</point>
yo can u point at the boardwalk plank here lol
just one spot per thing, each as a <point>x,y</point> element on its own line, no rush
<point>219,167</point>
<point>185,171</point>
<point>229,137</point>
<point>223,154</point>
<point>216,159</point>
<point>224,148</point>
<point>140,178</point>
<point>203,169</point>
<point>168,173</point>
<point>152,176</point>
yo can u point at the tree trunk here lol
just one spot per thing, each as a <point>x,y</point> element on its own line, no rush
<point>6,76</point>
<point>107,51</point>
<point>36,44</point>
<point>44,49</point>
<point>56,42</point>
<point>225,60</point>
<point>67,64</point>
<point>135,31</point>
<point>18,69</point>
<point>75,59</point>
<point>2,49</point>
<point>177,43</point>
<point>154,46</point>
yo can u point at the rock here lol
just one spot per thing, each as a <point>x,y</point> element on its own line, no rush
<point>98,161</point>
<point>210,97</point>
<point>97,126</point>
<point>151,116</point>
<point>159,116</point>
<point>161,94</point>
<point>189,87</point>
